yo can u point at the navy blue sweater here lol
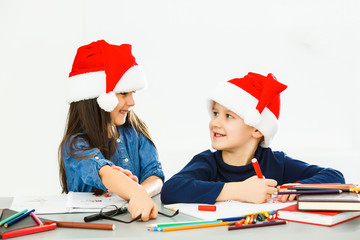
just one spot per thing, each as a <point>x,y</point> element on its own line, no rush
<point>203,178</point>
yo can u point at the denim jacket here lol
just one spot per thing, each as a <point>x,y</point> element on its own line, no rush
<point>133,152</point>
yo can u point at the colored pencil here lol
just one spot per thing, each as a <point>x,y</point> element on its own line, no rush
<point>264,224</point>
<point>36,219</point>
<point>181,223</point>
<point>21,217</point>
<point>324,188</point>
<point>28,230</point>
<point>12,217</point>
<point>186,227</point>
<point>1,212</point>
<point>101,226</point>
<point>332,191</point>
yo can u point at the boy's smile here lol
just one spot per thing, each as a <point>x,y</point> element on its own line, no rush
<point>228,131</point>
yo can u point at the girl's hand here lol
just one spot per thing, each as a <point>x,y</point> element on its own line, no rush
<point>127,173</point>
<point>141,203</point>
<point>284,198</point>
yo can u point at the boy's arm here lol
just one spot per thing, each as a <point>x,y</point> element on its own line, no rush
<point>302,172</point>
<point>194,183</point>
<point>253,190</point>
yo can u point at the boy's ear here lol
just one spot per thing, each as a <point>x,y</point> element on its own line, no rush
<point>257,134</point>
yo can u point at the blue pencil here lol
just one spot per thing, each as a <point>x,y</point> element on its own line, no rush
<point>12,217</point>
<point>18,218</point>
<point>232,219</point>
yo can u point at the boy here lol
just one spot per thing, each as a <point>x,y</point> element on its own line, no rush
<point>244,121</point>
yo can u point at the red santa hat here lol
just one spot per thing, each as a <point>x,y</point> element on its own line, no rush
<point>255,98</point>
<point>100,70</point>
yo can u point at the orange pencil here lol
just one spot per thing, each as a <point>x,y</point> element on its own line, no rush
<point>185,227</point>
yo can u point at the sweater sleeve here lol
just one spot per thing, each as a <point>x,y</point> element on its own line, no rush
<point>298,171</point>
<point>193,184</point>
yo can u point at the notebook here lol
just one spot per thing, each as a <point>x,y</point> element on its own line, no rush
<point>25,223</point>
<point>66,203</point>
<point>291,213</point>
<point>330,202</point>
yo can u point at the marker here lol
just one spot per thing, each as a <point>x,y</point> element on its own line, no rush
<point>25,231</point>
<point>211,208</point>
<point>257,168</point>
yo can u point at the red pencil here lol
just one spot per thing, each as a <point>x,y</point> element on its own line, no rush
<point>29,230</point>
<point>257,168</point>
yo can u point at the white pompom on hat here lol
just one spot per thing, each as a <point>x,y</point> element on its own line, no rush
<point>255,98</point>
<point>100,70</point>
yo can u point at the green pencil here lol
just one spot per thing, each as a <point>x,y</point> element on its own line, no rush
<point>12,217</point>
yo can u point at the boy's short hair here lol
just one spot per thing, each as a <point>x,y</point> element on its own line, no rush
<point>255,98</point>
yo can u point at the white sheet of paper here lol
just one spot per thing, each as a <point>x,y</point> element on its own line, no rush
<point>228,209</point>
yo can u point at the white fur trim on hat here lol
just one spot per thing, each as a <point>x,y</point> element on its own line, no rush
<point>244,104</point>
<point>132,80</point>
<point>86,86</point>
<point>107,101</point>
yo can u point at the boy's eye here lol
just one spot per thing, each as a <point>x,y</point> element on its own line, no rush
<point>215,114</point>
<point>229,116</point>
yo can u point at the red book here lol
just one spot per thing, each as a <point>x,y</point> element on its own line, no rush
<point>329,219</point>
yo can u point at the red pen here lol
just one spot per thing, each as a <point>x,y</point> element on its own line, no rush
<point>257,168</point>
<point>29,230</point>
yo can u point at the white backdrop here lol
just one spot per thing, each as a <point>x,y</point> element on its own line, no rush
<point>185,47</point>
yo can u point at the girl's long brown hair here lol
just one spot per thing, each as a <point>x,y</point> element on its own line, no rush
<point>88,121</point>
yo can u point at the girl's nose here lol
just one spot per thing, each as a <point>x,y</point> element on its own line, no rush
<point>130,99</point>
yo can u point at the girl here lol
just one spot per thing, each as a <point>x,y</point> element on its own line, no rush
<point>103,136</point>
<point>244,121</point>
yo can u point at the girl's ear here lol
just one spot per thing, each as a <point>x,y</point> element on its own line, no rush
<point>257,134</point>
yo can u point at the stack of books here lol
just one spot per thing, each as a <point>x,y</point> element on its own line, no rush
<point>316,205</point>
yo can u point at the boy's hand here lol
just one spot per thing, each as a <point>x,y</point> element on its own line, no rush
<point>284,198</point>
<point>253,189</point>
<point>257,190</point>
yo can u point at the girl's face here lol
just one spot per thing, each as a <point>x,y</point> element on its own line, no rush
<point>228,131</point>
<point>126,101</point>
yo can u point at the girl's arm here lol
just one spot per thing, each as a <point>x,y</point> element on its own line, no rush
<point>152,185</point>
<point>139,200</point>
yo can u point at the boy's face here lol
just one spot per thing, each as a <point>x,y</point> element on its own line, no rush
<point>228,132</point>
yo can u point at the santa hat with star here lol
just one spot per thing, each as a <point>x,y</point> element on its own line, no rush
<point>255,98</point>
<point>100,70</point>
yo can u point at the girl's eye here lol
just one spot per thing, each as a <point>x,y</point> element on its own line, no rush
<point>215,114</point>
<point>123,93</point>
<point>229,116</point>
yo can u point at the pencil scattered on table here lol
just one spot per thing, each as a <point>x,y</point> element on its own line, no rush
<point>12,217</point>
